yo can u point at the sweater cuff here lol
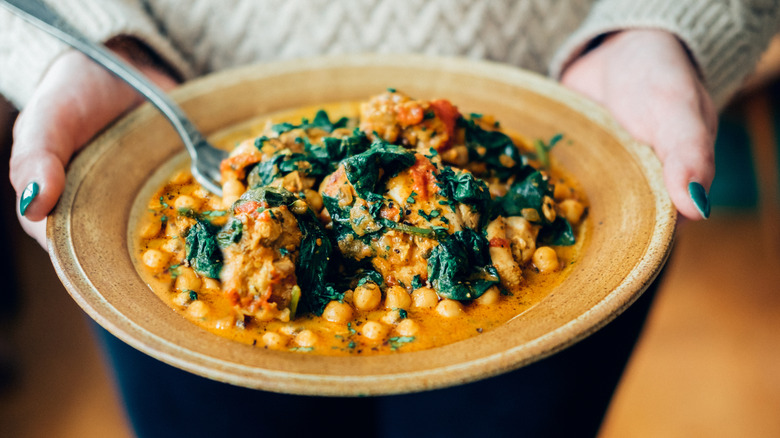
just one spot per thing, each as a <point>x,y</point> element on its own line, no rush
<point>26,52</point>
<point>721,37</point>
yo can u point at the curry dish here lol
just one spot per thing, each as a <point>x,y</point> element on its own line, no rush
<point>401,225</point>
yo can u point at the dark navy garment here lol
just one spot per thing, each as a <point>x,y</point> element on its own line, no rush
<point>564,395</point>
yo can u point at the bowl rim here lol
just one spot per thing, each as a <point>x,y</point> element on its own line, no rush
<point>80,287</point>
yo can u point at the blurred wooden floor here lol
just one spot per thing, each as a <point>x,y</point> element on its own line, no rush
<point>708,364</point>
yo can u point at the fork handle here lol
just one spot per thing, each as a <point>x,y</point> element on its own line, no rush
<point>39,14</point>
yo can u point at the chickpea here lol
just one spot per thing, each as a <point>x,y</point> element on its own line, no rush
<point>150,228</point>
<point>396,297</point>
<point>572,210</point>
<point>425,298</point>
<point>198,309</point>
<point>274,341</point>
<point>490,297</point>
<point>186,202</point>
<point>545,259</point>
<point>231,190</point>
<point>337,312</point>
<point>210,285</point>
<point>449,308</point>
<point>306,338</point>
<point>391,317</point>
<point>225,323</point>
<point>182,298</point>
<point>367,296</point>
<point>407,327</point>
<point>155,259</point>
<point>287,330</point>
<point>174,245</point>
<point>314,199</point>
<point>458,155</point>
<point>374,330</point>
<point>561,191</point>
<point>187,279</point>
<point>181,177</point>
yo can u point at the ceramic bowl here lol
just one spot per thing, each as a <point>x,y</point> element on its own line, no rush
<point>632,219</point>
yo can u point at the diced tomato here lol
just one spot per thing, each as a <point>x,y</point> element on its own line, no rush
<point>499,242</point>
<point>233,297</point>
<point>249,207</point>
<point>239,163</point>
<point>410,113</point>
<point>448,114</point>
<point>393,214</point>
<point>422,176</point>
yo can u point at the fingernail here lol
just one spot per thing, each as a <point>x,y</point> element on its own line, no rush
<point>700,199</point>
<point>29,193</point>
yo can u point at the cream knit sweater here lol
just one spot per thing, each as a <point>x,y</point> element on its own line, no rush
<point>725,37</point>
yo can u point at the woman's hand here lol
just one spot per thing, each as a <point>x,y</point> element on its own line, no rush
<point>74,101</point>
<point>646,79</point>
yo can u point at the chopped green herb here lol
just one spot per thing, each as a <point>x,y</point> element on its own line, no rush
<point>391,90</point>
<point>193,295</point>
<point>429,216</point>
<point>397,342</point>
<point>410,199</point>
<point>163,203</point>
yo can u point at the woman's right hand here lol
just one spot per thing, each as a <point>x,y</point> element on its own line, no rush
<point>74,101</point>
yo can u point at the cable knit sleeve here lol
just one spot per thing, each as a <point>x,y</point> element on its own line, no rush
<point>725,37</point>
<point>26,51</point>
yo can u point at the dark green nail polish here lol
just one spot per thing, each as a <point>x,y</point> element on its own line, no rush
<point>700,199</point>
<point>29,193</point>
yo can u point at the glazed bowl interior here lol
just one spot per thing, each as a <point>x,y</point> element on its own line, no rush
<point>632,221</point>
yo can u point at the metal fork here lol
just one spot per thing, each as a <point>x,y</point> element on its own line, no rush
<point>205,157</point>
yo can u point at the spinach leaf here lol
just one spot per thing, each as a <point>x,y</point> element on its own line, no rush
<point>312,267</point>
<point>203,252</point>
<point>494,148</point>
<point>321,120</point>
<point>363,170</point>
<point>230,233</point>
<point>467,189</point>
<point>271,196</point>
<point>460,267</point>
<point>339,216</point>
<point>370,275</point>
<point>527,193</point>
<point>336,149</point>
<point>558,233</point>
<point>317,160</point>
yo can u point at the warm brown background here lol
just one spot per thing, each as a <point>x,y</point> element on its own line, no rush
<point>707,365</point>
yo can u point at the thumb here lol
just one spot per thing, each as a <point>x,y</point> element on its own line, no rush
<point>74,101</point>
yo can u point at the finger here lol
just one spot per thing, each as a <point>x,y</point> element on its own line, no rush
<point>37,230</point>
<point>685,144</point>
